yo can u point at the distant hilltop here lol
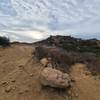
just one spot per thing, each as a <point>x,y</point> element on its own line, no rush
<point>58,40</point>
<point>73,44</point>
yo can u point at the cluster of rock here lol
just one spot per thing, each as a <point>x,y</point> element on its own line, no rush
<point>47,62</point>
<point>61,58</point>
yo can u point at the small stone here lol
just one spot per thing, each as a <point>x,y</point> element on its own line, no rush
<point>69,92</point>
<point>14,87</point>
<point>31,75</point>
<point>8,89</point>
<point>13,80</point>
<point>66,97</point>
<point>49,65</point>
<point>72,80</point>
<point>4,82</point>
<point>76,94</point>
<point>20,66</point>
<point>44,62</point>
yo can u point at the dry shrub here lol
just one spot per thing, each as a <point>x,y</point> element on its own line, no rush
<point>60,58</point>
<point>4,41</point>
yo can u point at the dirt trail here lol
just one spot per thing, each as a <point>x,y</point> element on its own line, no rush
<point>87,86</point>
<point>19,76</point>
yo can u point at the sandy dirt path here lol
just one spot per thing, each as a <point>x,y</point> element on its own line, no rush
<point>87,86</point>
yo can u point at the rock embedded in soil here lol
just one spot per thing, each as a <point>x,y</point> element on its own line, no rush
<point>54,78</point>
<point>4,82</point>
<point>31,75</point>
<point>44,62</point>
<point>8,89</point>
<point>13,80</point>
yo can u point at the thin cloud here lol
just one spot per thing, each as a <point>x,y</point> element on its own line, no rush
<point>49,16</point>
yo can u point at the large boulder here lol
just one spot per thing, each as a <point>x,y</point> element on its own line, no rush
<point>54,78</point>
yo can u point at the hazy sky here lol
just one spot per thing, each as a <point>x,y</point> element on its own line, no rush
<point>32,20</point>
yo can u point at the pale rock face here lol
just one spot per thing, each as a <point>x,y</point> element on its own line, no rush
<point>54,78</point>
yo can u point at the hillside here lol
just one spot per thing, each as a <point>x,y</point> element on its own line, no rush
<point>20,70</point>
<point>73,44</point>
<point>78,50</point>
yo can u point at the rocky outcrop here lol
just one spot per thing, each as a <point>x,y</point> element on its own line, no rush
<point>54,78</point>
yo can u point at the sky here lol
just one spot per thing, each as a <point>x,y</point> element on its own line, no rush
<point>33,20</point>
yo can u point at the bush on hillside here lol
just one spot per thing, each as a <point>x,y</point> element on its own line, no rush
<point>4,41</point>
<point>63,59</point>
<point>60,58</point>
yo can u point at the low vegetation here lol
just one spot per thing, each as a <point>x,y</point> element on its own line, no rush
<point>4,41</point>
<point>74,44</point>
<point>66,50</point>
